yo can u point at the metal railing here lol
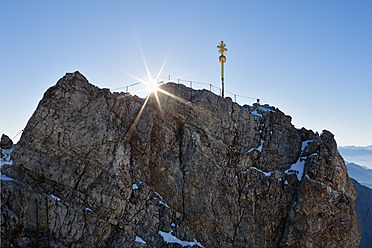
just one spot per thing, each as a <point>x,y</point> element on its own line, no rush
<point>195,85</point>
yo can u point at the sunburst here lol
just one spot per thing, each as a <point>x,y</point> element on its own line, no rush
<point>152,87</point>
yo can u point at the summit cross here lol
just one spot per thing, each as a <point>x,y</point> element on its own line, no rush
<point>222,48</point>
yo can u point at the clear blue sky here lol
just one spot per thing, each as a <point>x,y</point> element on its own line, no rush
<point>311,59</point>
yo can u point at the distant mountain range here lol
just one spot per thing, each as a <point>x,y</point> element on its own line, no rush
<point>362,178</point>
<point>358,160</point>
<point>363,208</point>
<point>360,173</point>
<point>361,155</point>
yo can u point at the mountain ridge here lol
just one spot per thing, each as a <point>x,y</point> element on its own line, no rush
<point>199,169</point>
<point>364,209</point>
<point>359,173</point>
<point>361,155</point>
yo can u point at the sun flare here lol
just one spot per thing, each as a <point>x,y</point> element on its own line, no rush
<point>152,86</point>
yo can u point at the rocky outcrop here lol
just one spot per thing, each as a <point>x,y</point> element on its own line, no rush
<point>364,209</point>
<point>181,168</point>
<point>5,142</point>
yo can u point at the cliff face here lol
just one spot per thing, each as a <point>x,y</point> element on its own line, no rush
<point>199,171</point>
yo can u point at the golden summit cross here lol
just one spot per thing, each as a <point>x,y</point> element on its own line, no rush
<point>222,48</point>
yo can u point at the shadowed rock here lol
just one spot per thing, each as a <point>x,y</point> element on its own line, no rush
<point>5,142</point>
<point>201,168</point>
<point>364,209</point>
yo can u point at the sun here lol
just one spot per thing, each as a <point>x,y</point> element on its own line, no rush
<point>151,85</point>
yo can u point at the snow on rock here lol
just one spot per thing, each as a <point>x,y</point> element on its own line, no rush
<point>304,144</point>
<point>87,209</point>
<point>169,238</point>
<point>5,160</point>
<point>5,156</point>
<point>55,197</point>
<point>258,109</point>
<point>139,240</point>
<point>254,112</point>
<point>298,167</point>
<point>258,148</point>
<point>267,174</point>
<point>265,109</point>
<point>5,178</point>
<point>161,200</point>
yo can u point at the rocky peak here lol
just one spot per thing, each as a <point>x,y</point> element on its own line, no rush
<point>5,142</point>
<point>195,170</point>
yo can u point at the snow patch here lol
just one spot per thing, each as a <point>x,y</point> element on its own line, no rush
<point>313,154</point>
<point>5,160</point>
<point>161,200</point>
<point>258,148</point>
<point>5,156</point>
<point>304,144</point>
<point>163,203</point>
<point>262,109</point>
<point>5,178</point>
<point>169,238</point>
<point>134,186</point>
<point>55,197</point>
<point>139,240</point>
<point>267,174</point>
<point>254,112</point>
<point>298,167</point>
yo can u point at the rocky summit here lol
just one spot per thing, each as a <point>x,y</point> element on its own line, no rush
<point>185,168</point>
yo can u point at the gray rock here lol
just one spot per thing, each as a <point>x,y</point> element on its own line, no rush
<point>198,168</point>
<point>5,142</point>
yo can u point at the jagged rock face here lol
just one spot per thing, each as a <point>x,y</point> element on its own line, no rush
<point>199,168</point>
